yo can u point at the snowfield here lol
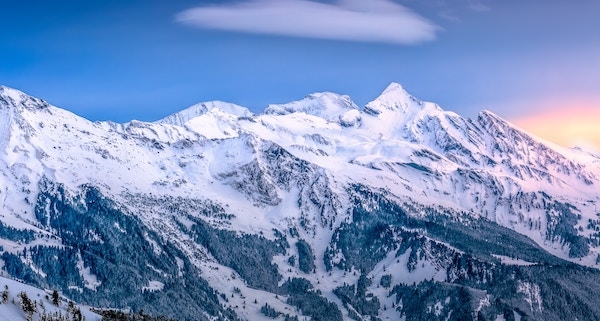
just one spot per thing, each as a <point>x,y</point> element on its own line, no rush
<point>11,309</point>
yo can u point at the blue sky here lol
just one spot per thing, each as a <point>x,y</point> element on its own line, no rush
<point>145,59</point>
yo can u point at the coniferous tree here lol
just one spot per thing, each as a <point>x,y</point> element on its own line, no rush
<point>77,316</point>
<point>5,294</point>
<point>27,305</point>
<point>70,306</point>
<point>55,298</point>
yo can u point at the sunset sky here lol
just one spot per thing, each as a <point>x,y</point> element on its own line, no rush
<point>533,62</point>
<point>576,125</point>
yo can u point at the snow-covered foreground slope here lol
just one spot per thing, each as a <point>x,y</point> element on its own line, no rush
<point>12,309</point>
<point>293,209</point>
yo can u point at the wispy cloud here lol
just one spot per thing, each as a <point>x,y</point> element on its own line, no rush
<point>350,20</point>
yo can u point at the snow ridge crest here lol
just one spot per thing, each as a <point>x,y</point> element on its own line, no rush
<point>10,97</point>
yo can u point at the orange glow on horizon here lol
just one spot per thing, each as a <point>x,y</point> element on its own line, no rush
<point>568,127</point>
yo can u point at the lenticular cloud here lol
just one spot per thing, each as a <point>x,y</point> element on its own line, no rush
<point>349,20</point>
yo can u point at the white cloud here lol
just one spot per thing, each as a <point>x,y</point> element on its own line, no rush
<point>350,20</point>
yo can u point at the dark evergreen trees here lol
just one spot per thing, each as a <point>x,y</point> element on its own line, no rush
<point>306,258</point>
<point>55,298</point>
<point>28,306</point>
<point>310,302</point>
<point>5,294</point>
<point>269,311</point>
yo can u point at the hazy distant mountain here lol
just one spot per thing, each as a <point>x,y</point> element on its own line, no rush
<point>317,208</point>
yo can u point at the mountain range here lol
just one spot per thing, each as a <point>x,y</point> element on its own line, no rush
<point>317,209</point>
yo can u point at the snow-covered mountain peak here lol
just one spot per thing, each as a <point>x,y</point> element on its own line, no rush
<point>327,105</point>
<point>10,97</point>
<point>394,98</point>
<point>486,116</point>
<point>394,87</point>
<point>182,117</point>
<point>502,130</point>
<point>396,114</point>
<point>4,90</point>
<point>586,151</point>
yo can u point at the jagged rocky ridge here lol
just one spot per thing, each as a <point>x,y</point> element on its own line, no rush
<point>317,208</point>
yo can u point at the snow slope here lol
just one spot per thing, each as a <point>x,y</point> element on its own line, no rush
<point>12,311</point>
